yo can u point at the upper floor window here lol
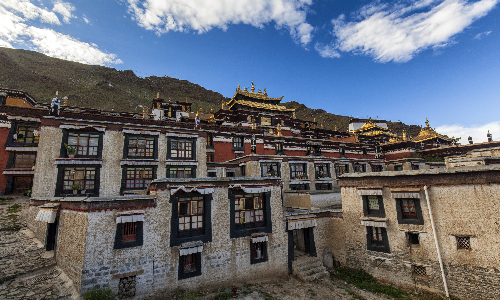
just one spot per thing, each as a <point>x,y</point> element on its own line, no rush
<point>25,134</point>
<point>377,168</point>
<point>373,206</point>
<point>298,171</point>
<point>299,187</point>
<point>140,147</point>
<point>409,211</point>
<point>181,149</point>
<point>129,231</point>
<point>279,148</point>
<point>77,180</point>
<point>270,169</point>
<point>398,168</point>
<point>341,169</point>
<point>377,239</point>
<point>359,168</point>
<point>238,143</point>
<point>190,213</point>
<point>322,171</point>
<point>181,172</point>
<point>210,156</point>
<point>210,141</point>
<point>342,151</point>
<point>415,167</point>
<point>138,178</point>
<point>313,150</point>
<point>266,121</point>
<point>23,160</point>
<point>249,210</point>
<point>85,144</point>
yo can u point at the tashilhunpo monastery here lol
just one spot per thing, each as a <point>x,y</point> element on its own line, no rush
<point>145,203</point>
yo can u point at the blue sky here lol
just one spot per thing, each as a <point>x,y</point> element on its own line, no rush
<point>395,60</point>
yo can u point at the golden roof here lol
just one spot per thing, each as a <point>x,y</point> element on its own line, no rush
<point>369,125</point>
<point>259,105</point>
<point>427,133</point>
<point>252,94</point>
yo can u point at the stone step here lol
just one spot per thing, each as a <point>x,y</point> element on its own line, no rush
<point>309,268</point>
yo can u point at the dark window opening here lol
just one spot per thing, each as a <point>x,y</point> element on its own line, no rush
<point>212,173</point>
<point>258,252</point>
<point>373,206</point>
<point>398,168</point>
<point>129,232</point>
<point>243,171</point>
<point>463,243</point>
<point>181,172</point>
<point>299,187</point>
<point>415,167</point>
<point>323,186</point>
<point>230,173</point>
<point>238,143</point>
<point>413,238</point>
<point>25,161</point>
<point>417,270</point>
<point>210,157</point>
<point>279,148</point>
<point>377,239</point>
<point>359,168</point>
<point>189,265</point>
<point>238,155</point>
<point>210,141</point>
<point>341,169</point>
<point>377,168</point>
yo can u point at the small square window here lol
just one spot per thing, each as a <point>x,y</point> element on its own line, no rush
<point>463,243</point>
<point>258,252</point>
<point>189,265</point>
<point>413,238</point>
<point>376,238</point>
<point>409,211</point>
<point>373,206</point>
<point>417,270</point>
<point>210,156</point>
<point>128,234</point>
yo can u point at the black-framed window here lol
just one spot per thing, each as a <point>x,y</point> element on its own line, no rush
<point>413,238</point>
<point>341,169</point>
<point>300,187</point>
<point>181,149</point>
<point>373,206</point>
<point>238,155</point>
<point>189,265</point>
<point>342,151</point>
<point>181,172</point>
<point>279,148</point>
<point>266,121</point>
<point>322,170</point>
<point>243,171</point>
<point>238,143</point>
<point>409,211</point>
<point>210,156</point>
<point>359,168</point>
<point>250,213</point>
<point>314,150</point>
<point>191,218</point>
<point>137,177</point>
<point>88,144</point>
<point>398,168</point>
<point>376,239</point>
<point>211,173</point>
<point>129,234</point>
<point>323,186</point>
<point>415,167</point>
<point>141,147</point>
<point>270,169</point>
<point>210,141</point>
<point>25,134</point>
<point>230,173</point>
<point>377,168</point>
<point>298,171</point>
<point>24,160</point>
<point>83,179</point>
<point>258,252</point>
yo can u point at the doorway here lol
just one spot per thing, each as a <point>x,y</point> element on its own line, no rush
<point>51,237</point>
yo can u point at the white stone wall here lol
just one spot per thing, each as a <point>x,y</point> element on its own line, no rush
<point>111,171</point>
<point>49,147</point>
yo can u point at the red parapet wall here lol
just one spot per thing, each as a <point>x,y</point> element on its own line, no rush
<point>4,157</point>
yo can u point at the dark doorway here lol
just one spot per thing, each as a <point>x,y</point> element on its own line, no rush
<point>51,238</point>
<point>21,185</point>
<point>303,242</point>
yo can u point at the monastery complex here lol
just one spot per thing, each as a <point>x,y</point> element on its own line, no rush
<point>145,203</point>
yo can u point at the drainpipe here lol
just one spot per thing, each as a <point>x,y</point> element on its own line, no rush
<point>436,241</point>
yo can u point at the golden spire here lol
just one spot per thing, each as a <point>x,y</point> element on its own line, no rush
<point>426,123</point>
<point>404,135</point>
<point>239,88</point>
<point>212,109</point>
<point>335,127</point>
<point>144,112</point>
<point>200,111</point>
<point>314,120</point>
<point>65,100</point>
<point>170,112</point>
<point>321,125</point>
<point>294,114</point>
<point>158,95</point>
<point>253,88</point>
<point>265,92</point>
<point>279,129</point>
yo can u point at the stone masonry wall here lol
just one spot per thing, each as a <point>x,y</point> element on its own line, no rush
<point>44,181</point>
<point>201,157</point>
<point>111,172</point>
<point>37,227</point>
<point>71,244</point>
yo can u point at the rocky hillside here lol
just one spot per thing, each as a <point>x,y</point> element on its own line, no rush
<point>107,88</point>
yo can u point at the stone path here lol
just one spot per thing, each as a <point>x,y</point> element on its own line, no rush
<point>27,271</point>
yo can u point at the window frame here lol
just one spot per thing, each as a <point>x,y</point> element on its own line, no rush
<point>377,245</point>
<point>170,167</point>
<point>295,172</point>
<point>279,147</point>
<point>66,132</point>
<point>14,130</point>
<point>204,234</point>
<point>361,166</point>
<point>238,143</point>
<point>126,169</point>
<point>242,230</point>
<point>60,191</point>
<point>121,244</point>
<point>339,167</point>
<point>197,272</point>
<point>417,219</point>
<point>126,147</point>
<point>210,141</point>
<point>380,213</point>
<point>184,140</point>
<point>16,155</point>
<point>316,174</point>
<point>299,187</point>
<point>374,167</point>
<point>273,164</point>
<point>318,185</point>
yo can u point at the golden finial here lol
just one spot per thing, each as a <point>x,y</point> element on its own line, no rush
<point>404,135</point>
<point>158,95</point>
<point>253,88</point>
<point>168,99</point>
<point>65,100</point>
<point>253,123</point>
<point>426,123</point>
<point>265,92</point>
<point>57,93</point>
<point>279,129</point>
<point>170,112</point>
<point>239,88</point>
<point>321,125</point>
<point>271,131</point>
<point>200,111</point>
<point>112,109</point>
<point>223,104</point>
<point>212,109</point>
<point>314,120</point>
<point>144,112</point>
<point>186,98</point>
<point>293,115</point>
<point>335,127</point>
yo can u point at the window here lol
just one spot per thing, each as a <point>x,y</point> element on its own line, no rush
<point>415,167</point>
<point>181,172</point>
<point>210,141</point>
<point>373,206</point>
<point>342,151</point>
<point>266,121</point>
<point>417,270</point>
<point>398,168</point>
<point>322,171</point>
<point>409,211</point>
<point>377,239</point>
<point>138,178</point>
<point>463,243</point>
<point>258,252</point>
<point>86,144</point>
<point>238,155</point>
<point>212,173</point>
<point>313,150</point>
<point>181,149</point>
<point>298,171</point>
<point>190,213</point>
<point>413,238</point>
<point>243,170</point>
<point>270,169</point>
<point>210,156</point>
<point>79,178</point>
<point>249,210</point>
<point>377,168</point>
<point>323,186</point>
<point>279,148</point>
<point>128,234</point>
<point>25,134</point>
<point>299,187</point>
<point>341,169</point>
<point>238,143</point>
<point>230,173</point>
<point>189,265</point>
<point>23,160</point>
<point>140,147</point>
<point>359,168</point>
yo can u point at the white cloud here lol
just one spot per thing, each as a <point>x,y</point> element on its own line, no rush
<point>398,32</point>
<point>327,51</point>
<point>15,30</point>
<point>203,15</point>
<point>65,9</point>
<point>481,35</point>
<point>85,19</point>
<point>477,132</point>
